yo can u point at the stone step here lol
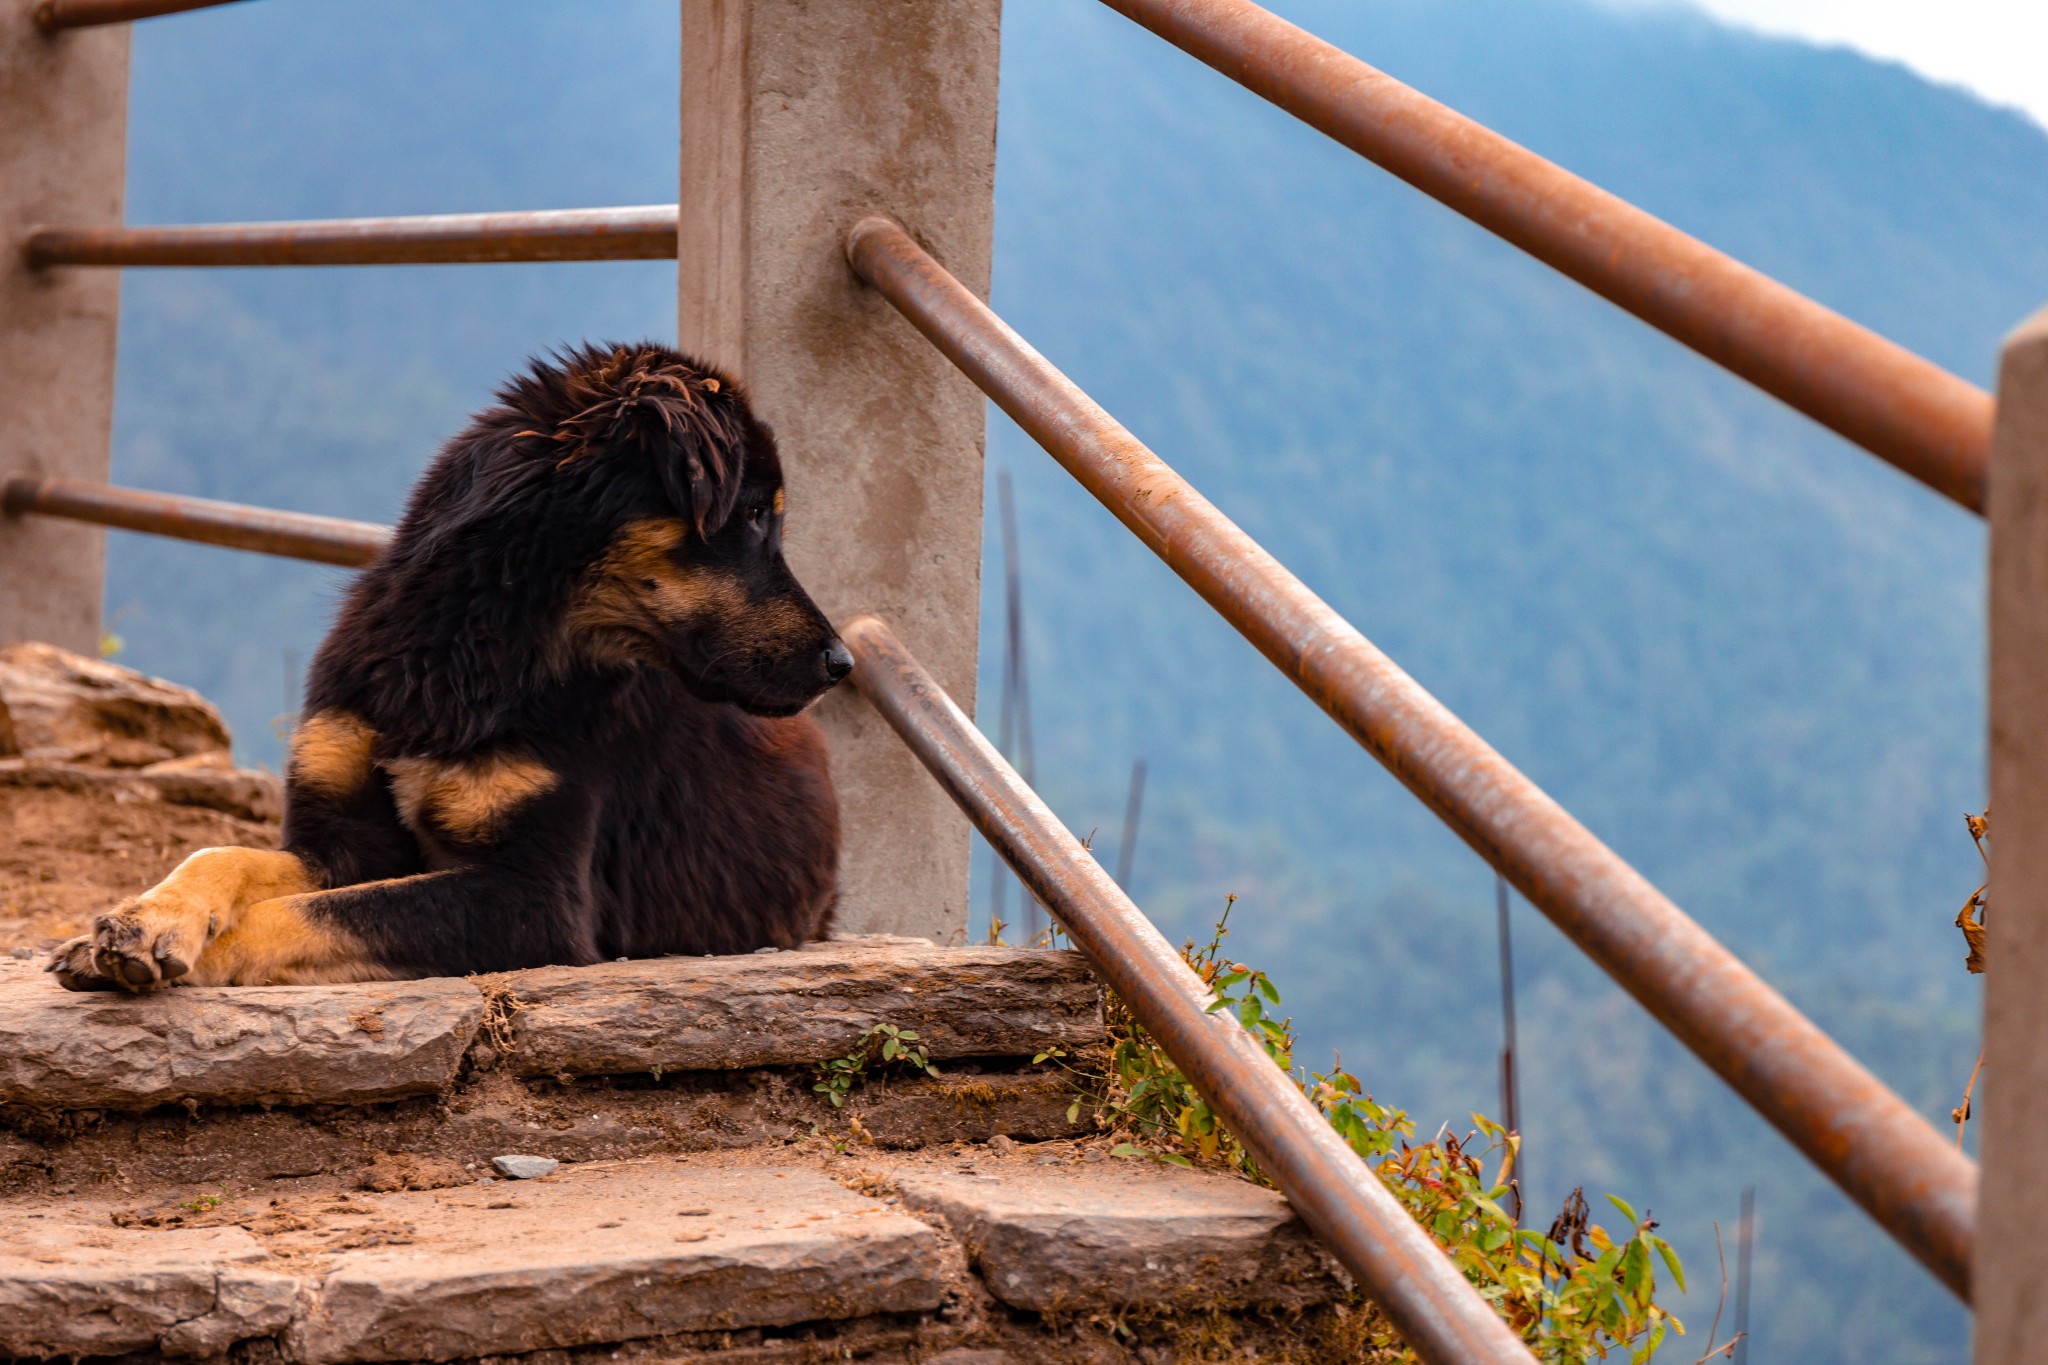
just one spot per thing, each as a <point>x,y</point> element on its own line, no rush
<point>797,1008</point>
<point>301,1045</point>
<point>595,1255</point>
<point>1060,1241</point>
<point>935,1246</point>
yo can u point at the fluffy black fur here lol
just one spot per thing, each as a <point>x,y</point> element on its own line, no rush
<point>678,802</point>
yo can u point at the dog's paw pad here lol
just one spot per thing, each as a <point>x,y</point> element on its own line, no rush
<point>128,950</point>
<point>74,964</point>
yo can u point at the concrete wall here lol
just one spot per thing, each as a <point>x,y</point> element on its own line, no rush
<point>63,144</point>
<point>2010,1275</point>
<point>799,117</point>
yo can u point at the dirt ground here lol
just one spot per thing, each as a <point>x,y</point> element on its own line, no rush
<point>67,855</point>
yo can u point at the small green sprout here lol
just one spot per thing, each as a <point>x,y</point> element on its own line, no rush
<point>881,1045</point>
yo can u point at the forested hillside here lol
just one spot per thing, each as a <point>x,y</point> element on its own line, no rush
<point>1747,656</point>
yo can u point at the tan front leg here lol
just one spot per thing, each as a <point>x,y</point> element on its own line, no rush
<point>159,936</point>
<point>286,942</point>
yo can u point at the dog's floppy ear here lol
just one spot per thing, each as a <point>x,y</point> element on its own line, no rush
<point>714,463</point>
<point>646,402</point>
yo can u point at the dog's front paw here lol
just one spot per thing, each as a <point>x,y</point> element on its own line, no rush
<point>73,962</point>
<point>143,945</point>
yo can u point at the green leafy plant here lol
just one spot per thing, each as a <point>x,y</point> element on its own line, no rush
<point>1577,1293</point>
<point>882,1045</point>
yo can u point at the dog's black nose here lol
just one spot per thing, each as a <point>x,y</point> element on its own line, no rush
<point>838,661</point>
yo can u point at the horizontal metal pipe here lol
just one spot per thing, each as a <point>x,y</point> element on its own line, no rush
<point>644,232</point>
<point>52,15</point>
<point>1439,1314</point>
<point>1907,410</point>
<point>291,535</point>
<point>1888,1158</point>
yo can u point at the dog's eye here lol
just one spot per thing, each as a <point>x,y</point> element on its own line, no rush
<point>757,516</point>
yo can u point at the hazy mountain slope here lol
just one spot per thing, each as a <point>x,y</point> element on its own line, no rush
<point>1744,654</point>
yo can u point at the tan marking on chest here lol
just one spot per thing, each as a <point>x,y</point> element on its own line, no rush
<point>330,753</point>
<point>472,799</point>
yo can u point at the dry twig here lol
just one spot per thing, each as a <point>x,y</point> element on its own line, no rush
<point>1961,1113</point>
<point>1970,919</point>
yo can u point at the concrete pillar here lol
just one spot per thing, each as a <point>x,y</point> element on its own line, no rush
<point>2010,1275</point>
<point>63,146</point>
<point>799,117</point>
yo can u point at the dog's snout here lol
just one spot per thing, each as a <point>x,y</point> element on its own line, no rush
<point>838,661</point>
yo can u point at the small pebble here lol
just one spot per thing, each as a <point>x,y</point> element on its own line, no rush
<point>759,951</point>
<point>23,953</point>
<point>1001,1145</point>
<point>1094,1154</point>
<point>517,1167</point>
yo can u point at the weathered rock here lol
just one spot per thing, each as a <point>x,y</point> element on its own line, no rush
<point>603,1254</point>
<point>210,780</point>
<point>518,1167</point>
<point>356,1043</point>
<point>1051,1240</point>
<point>115,784</point>
<point>204,780</point>
<point>228,1045</point>
<point>65,706</point>
<point>797,1008</point>
<point>73,1285</point>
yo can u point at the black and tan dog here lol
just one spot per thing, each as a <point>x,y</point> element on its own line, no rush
<point>555,722</point>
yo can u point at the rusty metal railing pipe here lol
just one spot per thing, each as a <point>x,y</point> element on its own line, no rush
<point>1429,1301</point>
<point>291,535</point>
<point>1928,422</point>
<point>52,15</point>
<point>644,232</point>
<point>1884,1155</point>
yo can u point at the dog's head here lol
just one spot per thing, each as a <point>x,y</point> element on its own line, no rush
<point>658,471</point>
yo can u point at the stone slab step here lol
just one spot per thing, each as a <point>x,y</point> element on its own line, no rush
<point>613,1252</point>
<point>1066,1239</point>
<point>598,1254</point>
<point>796,1008</point>
<point>361,1043</point>
<point>73,1285</point>
<point>271,1044</point>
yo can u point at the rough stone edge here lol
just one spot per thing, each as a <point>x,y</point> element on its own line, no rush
<point>498,1005</point>
<point>936,1195</point>
<point>461,1041</point>
<point>516,992</point>
<point>255,1303</point>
